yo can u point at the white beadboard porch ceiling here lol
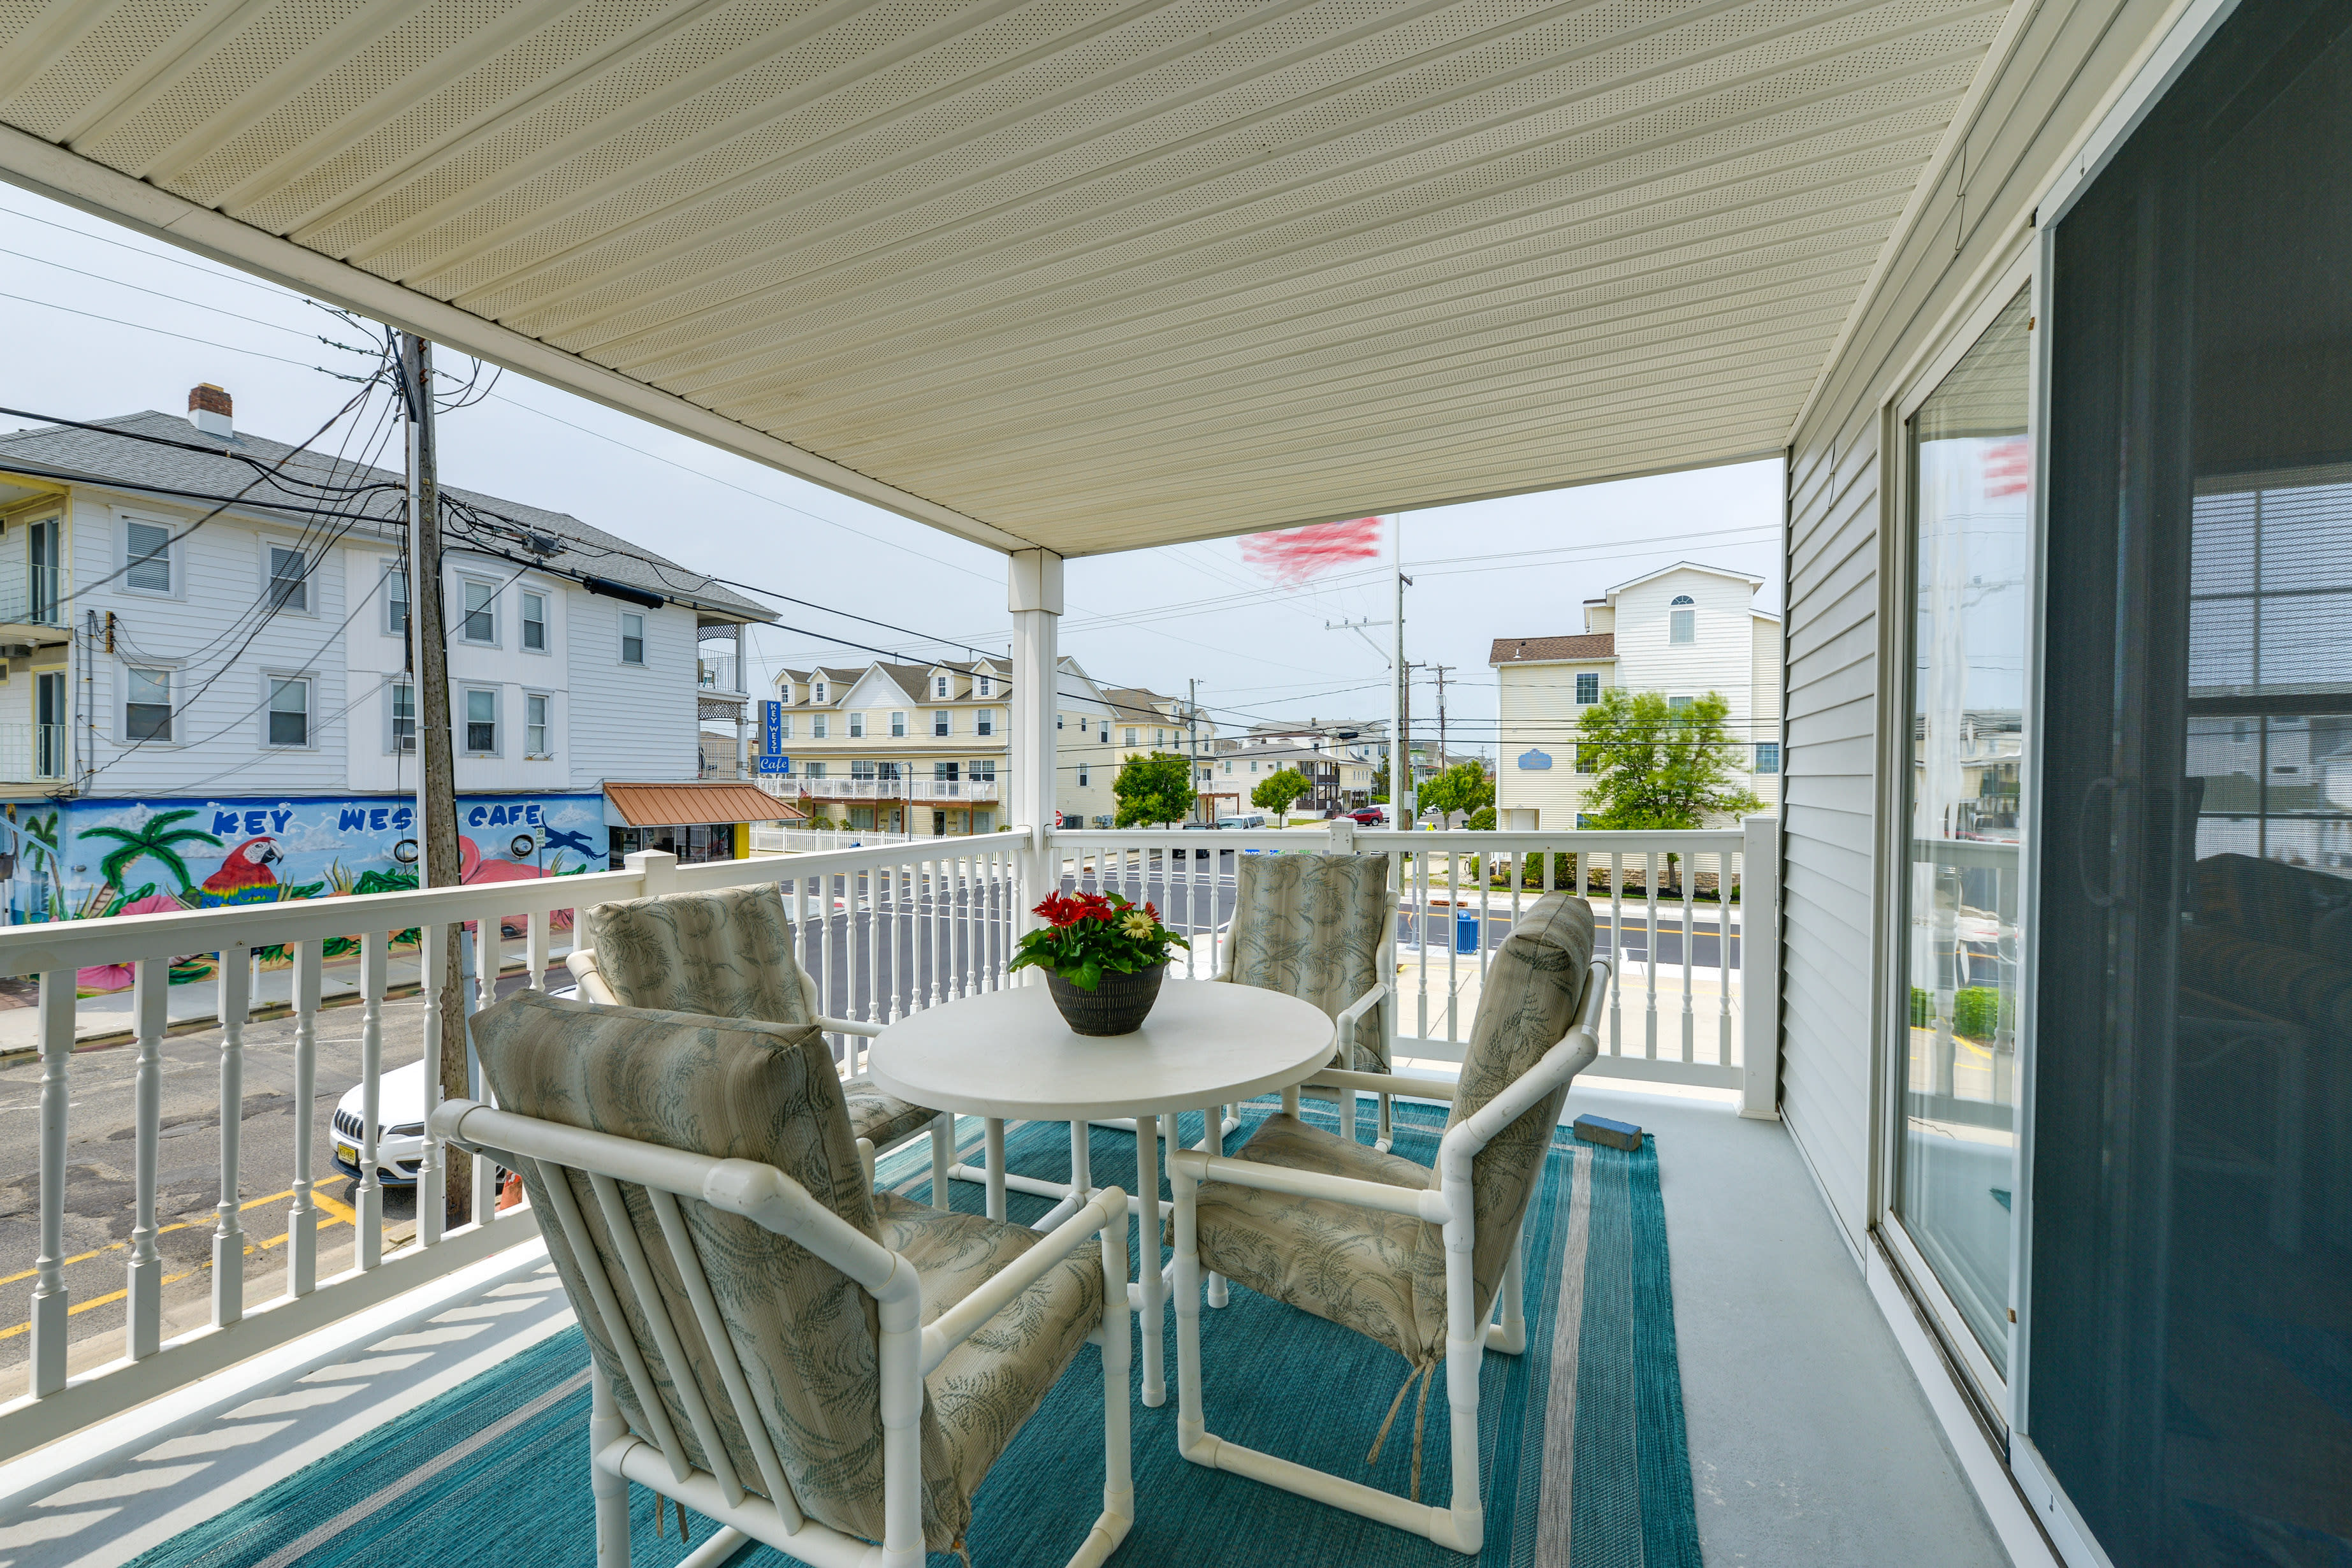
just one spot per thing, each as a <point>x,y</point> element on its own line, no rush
<point>1090,274</point>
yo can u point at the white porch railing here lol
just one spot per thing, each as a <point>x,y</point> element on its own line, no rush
<point>1672,908</point>
<point>982,790</point>
<point>822,840</point>
<point>885,930</point>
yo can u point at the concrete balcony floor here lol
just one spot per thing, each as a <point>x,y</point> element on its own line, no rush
<point>1810,1443</point>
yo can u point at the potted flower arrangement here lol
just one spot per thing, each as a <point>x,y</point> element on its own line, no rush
<point>1104,958</point>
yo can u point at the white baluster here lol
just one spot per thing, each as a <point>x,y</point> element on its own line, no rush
<point>369,1207</point>
<point>302,1219</point>
<point>1723,874</point>
<point>229,1230</point>
<point>1650,952</point>
<point>143,1310</point>
<point>50,1297</point>
<point>433,1168</point>
<point>1617,950</point>
<point>535,943</point>
<point>480,995</point>
<point>1690,930</point>
<point>1452,943</point>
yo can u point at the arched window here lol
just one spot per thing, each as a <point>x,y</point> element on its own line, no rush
<point>1684,599</point>
<point>1682,625</point>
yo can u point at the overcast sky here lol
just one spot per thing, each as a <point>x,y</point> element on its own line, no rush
<point>1517,567</point>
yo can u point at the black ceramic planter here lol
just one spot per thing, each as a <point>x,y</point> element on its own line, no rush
<point>1118,1007</point>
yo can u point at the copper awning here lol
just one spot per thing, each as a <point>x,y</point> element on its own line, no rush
<point>700,801</point>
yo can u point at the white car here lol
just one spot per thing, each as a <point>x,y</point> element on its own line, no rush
<point>400,1127</point>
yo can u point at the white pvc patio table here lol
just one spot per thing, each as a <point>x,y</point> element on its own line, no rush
<point>1007,1056</point>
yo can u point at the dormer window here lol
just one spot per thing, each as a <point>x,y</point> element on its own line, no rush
<point>1682,625</point>
<point>819,689</point>
<point>987,686</point>
<point>939,686</point>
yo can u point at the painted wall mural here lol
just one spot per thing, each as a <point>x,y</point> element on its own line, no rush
<point>83,860</point>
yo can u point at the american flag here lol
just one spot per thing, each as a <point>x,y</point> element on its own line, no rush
<point>2008,468</point>
<point>1293,556</point>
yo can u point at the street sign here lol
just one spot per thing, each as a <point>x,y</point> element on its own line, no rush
<point>771,728</point>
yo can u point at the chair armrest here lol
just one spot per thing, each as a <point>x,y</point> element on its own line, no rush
<point>1558,1067</point>
<point>1345,1022</point>
<point>1388,1083</point>
<point>1417,1202</point>
<point>965,1318</point>
<point>581,964</point>
<point>847,1026</point>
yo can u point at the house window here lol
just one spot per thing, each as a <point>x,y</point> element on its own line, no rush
<point>820,692</point>
<point>857,726</point>
<point>983,771</point>
<point>861,768</point>
<point>939,686</point>
<point>290,579</point>
<point>1767,756</point>
<point>897,725</point>
<point>1683,625</point>
<point>1680,701</point>
<point>987,686</point>
<point>984,722</point>
<point>147,550</point>
<point>395,602</point>
<point>939,722</point>
<point>481,619</point>
<point>1587,759</point>
<point>403,719</point>
<point>534,726</point>
<point>146,704</point>
<point>1252,767</point>
<point>633,639</point>
<point>1229,768</point>
<point>1131,735</point>
<point>1159,737</point>
<point>534,622</point>
<point>1057,719</point>
<point>1085,776</point>
<point>290,711</point>
<point>481,722</point>
<point>943,772</point>
<point>820,726</point>
<point>814,770</point>
<point>784,726</point>
<point>1104,737</point>
<point>1587,687</point>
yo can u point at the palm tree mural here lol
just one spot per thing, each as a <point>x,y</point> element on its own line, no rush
<point>44,854</point>
<point>158,838</point>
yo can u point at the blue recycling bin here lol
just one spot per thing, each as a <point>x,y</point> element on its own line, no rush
<point>1465,930</point>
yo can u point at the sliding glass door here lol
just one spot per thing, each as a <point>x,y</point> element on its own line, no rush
<point>1971,470</point>
<point>2190,1322</point>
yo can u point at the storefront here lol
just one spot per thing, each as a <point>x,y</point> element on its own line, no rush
<point>707,819</point>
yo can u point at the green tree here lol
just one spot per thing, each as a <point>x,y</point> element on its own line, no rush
<point>1153,788</point>
<point>158,838</point>
<point>1381,782</point>
<point>1277,792</point>
<point>1655,766</point>
<point>1464,787</point>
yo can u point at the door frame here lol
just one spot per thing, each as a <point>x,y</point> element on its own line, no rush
<point>2019,268</point>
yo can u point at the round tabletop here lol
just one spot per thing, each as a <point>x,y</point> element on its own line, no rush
<point>1008,1054</point>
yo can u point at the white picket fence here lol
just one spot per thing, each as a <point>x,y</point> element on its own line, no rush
<point>885,930</point>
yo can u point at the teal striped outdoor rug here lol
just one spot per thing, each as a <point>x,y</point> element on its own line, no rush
<point>1586,1466</point>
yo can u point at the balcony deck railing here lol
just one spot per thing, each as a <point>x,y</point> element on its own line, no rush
<point>885,930</point>
<point>31,753</point>
<point>983,791</point>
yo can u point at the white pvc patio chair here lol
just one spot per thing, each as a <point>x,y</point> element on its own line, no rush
<point>730,953</point>
<point>1322,928</point>
<point>813,1364</point>
<point>1413,1257</point>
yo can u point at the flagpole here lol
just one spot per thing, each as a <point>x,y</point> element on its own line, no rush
<point>1401,812</point>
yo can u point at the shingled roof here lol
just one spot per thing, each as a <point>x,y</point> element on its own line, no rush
<point>208,466</point>
<point>1533,651</point>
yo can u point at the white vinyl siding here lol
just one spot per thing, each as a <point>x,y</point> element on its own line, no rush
<point>2064,61</point>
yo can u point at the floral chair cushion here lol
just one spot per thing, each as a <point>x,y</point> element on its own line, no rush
<point>1315,927</point>
<point>730,954</point>
<point>805,1335</point>
<point>995,1380</point>
<point>1384,1274</point>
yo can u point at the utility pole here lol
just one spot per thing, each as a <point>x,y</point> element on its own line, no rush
<point>437,784</point>
<point>1193,723</point>
<point>1441,669</point>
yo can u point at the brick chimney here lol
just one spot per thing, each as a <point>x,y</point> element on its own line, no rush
<point>210,411</point>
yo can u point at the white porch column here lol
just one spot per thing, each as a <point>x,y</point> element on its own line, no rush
<point>1034,597</point>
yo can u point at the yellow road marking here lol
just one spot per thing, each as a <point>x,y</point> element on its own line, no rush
<point>343,1212</point>
<point>342,1218</point>
<point>119,1246</point>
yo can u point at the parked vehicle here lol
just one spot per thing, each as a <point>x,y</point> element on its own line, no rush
<point>400,1127</point>
<point>1370,815</point>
